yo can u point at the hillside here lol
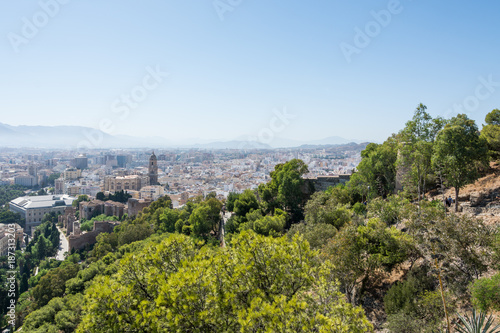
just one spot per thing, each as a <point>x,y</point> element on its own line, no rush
<point>482,198</point>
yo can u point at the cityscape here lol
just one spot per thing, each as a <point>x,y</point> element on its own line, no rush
<point>179,174</point>
<point>255,166</point>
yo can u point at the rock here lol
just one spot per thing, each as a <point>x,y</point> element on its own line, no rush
<point>476,198</point>
<point>463,197</point>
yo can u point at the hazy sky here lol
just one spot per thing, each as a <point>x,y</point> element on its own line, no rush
<point>355,69</point>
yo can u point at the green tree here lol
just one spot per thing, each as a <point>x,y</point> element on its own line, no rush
<point>51,179</point>
<point>403,295</point>
<point>326,208</point>
<point>42,247</point>
<point>491,133</point>
<point>53,284</point>
<point>245,203</point>
<point>266,225</point>
<point>105,243</point>
<point>415,151</point>
<point>358,253</point>
<point>10,192</point>
<point>256,284</point>
<point>392,210</point>
<point>133,232</point>
<point>459,152</point>
<point>8,217</point>
<point>285,190</point>
<point>205,218</point>
<point>462,245</point>
<point>231,199</point>
<point>493,118</point>
<point>200,222</point>
<point>120,196</point>
<point>377,168</point>
<point>168,219</point>
<point>100,196</point>
<point>84,197</point>
<point>59,315</point>
<point>317,234</point>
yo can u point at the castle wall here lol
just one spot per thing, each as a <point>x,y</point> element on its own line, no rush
<point>81,240</point>
<point>322,183</point>
<point>135,206</point>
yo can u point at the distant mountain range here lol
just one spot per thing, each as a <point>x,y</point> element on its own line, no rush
<point>75,137</point>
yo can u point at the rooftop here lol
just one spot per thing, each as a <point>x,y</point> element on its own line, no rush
<point>43,201</point>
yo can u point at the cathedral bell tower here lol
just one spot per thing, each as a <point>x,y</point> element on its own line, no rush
<point>153,170</point>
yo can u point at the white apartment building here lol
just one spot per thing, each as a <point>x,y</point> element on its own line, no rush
<point>26,180</point>
<point>153,192</point>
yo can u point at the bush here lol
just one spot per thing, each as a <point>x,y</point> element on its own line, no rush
<point>87,225</point>
<point>316,234</point>
<point>391,210</point>
<point>486,293</point>
<point>267,225</point>
<point>402,296</point>
<point>427,314</point>
<point>359,208</point>
<point>324,207</point>
<point>233,224</point>
<point>413,305</point>
<point>402,323</point>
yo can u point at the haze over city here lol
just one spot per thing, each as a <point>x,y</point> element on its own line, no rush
<point>193,72</point>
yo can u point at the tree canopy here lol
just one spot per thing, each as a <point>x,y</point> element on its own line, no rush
<point>256,284</point>
<point>459,152</point>
<point>285,190</point>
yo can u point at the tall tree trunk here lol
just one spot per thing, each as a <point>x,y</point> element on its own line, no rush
<point>442,191</point>
<point>423,189</point>
<point>456,198</point>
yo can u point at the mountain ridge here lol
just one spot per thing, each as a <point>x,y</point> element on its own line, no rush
<point>75,137</point>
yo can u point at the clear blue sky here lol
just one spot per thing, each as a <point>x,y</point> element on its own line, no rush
<point>227,76</point>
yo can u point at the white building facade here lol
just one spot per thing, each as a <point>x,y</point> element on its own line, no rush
<point>33,208</point>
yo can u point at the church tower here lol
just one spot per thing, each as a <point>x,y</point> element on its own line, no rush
<point>153,170</point>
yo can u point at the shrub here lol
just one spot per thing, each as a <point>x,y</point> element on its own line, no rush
<point>317,234</point>
<point>402,323</point>
<point>402,296</point>
<point>359,208</point>
<point>486,293</point>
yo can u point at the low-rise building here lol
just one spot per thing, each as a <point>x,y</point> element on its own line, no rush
<point>72,174</point>
<point>152,192</point>
<point>33,208</point>
<point>10,236</point>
